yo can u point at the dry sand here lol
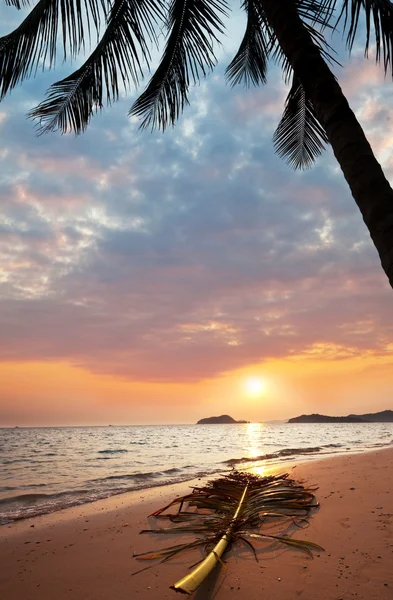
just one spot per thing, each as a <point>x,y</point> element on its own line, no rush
<point>86,553</point>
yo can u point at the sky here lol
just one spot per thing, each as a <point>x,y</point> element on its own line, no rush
<point>162,278</point>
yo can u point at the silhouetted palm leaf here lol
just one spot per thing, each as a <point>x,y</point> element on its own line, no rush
<point>231,508</point>
<point>188,55</point>
<point>33,43</point>
<point>119,54</point>
<point>299,137</point>
<point>193,27</point>
<point>378,15</point>
<point>317,12</point>
<point>17,3</point>
<point>250,63</point>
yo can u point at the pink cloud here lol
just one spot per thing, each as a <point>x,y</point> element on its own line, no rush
<point>360,75</point>
<point>265,103</point>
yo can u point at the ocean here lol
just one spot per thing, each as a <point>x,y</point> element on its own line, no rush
<point>47,469</point>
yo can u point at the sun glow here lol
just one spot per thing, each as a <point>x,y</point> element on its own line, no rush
<point>255,386</point>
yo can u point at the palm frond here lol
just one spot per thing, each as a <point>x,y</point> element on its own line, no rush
<point>317,12</point>
<point>33,44</point>
<point>117,57</point>
<point>17,3</point>
<point>230,509</point>
<point>250,63</point>
<point>194,26</point>
<point>299,137</point>
<point>378,16</point>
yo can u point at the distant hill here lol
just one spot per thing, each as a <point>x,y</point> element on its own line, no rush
<point>222,419</point>
<point>325,419</point>
<point>385,416</point>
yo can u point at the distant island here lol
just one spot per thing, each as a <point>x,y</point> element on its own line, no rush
<point>325,419</point>
<point>385,416</point>
<point>222,419</point>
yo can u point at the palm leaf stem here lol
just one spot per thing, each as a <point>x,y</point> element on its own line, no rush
<point>193,580</point>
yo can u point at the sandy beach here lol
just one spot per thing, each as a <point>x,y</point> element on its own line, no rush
<point>87,552</point>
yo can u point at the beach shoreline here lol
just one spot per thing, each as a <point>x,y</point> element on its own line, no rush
<point>87,551</point>
<point>50,469</point>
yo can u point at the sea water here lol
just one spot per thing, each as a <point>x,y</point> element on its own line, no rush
<point>46,469</point>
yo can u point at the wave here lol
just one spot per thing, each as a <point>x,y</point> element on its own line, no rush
<point>285,452</point>
<point>382,444</point>
<point>290,453</point>
<point>127,477</point>
<point>13,488</point>
<point>23,506</point>
<point>110,451</point>
<point>137,476</point>
<point>32,498</point>
<point>20,506</point>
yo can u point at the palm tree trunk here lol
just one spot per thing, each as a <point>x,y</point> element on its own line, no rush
<point>368,184</point>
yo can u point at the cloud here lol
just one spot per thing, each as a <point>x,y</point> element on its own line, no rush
<point>181,256</point>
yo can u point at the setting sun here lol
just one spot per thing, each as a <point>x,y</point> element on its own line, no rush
<point>255,386</point>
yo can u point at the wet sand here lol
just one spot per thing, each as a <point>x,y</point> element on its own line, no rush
<point>86,553</point>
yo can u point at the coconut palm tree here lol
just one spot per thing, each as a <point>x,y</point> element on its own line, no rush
<point>290,32</point>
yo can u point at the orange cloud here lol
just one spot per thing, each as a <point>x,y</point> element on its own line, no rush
<point>326,379</point>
